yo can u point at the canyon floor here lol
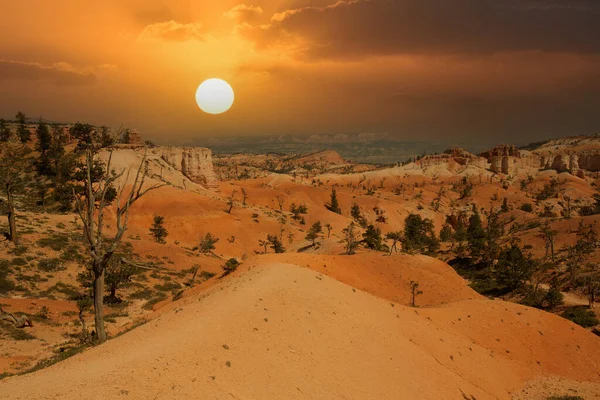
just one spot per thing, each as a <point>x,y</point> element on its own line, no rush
<point>310,323</point>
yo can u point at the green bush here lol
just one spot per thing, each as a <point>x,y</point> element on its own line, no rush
<point>167,286</point>
<point>6,285</point>
<point>50,265</point>
<point>19,250</point>
<point>527,207</point>
<point>18,261</point>
<point>56,242</point>
<point>581,316</point>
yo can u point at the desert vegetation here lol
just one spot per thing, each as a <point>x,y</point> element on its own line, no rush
<point>100,234</point>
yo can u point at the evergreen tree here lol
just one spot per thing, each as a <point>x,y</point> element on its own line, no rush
<point>460,233</point>
<point>207,243</point>
<point>356,214</point>
<point>275,244</point>
<point>372,238</point>
<point>106,138</point>
<point>4,131</point>
<point>350,238</point>
<point>494,231</point>
<point>22,130</point>
<point>355,211</point>
<point>446,233</point>
<point>475,235</point>
<point>513,268</point>
<point>158,230</point>
<point>505,207</point>
<point>419,235</point>
<point>230,265</point>
<point>44,139</point>
<point>333,204</point>
<point>314,231</point>
<point>44,143</point>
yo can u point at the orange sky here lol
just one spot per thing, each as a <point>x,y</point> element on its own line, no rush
<point>463,69</point>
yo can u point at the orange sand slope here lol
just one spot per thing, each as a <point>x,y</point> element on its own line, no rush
<point>385,276</point>
<point>279,331</point>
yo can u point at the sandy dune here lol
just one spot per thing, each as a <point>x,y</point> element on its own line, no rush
<point>282,331</point>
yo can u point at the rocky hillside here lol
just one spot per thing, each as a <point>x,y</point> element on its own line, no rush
<point>244,166</point>
<point>178,166</point>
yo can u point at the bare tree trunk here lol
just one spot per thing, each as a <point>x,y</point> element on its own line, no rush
<point>85,335</point>
<point>99,304</point>
<point>12,224</point>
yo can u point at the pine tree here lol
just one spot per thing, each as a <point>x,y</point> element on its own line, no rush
<point>314,231</point>
<point>333,204</point>
<point>446,233</point>
<point>22,130</point>
<point>207,243</point>
<point>513,268</point>
<point>475,235</point>
<point>158,230</point>
<point>4,131</point>
<point>44,139</point>
<point>372,238</point>
<point>419,235</point>
<point>350,238</point>
<point>505,207</point>
<point>275,244</point>
<point>355,211</point>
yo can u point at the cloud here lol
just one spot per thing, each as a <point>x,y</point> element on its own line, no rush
<point>59,73</point>
<point>243,13</point>
<point>355,29</point>
<point>172,31</point>
<point>152,15</point>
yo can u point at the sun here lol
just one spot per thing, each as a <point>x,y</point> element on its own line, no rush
<point>214,96</point>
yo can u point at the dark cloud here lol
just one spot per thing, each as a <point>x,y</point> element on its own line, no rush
<point>152,15</point>
<point>362,28</point>
<point>509,118</point>
<point>60,73</point>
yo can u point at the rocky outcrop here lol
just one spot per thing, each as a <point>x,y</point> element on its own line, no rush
<point>193,162</point>
<point>503,158</point>
<point>576,155</point>
<point>456,155</point>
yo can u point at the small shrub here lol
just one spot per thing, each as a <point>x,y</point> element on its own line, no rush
<point>56,242</point>
<point>19,250</point>
<point>18,261</point>
<point>167,286</point>
<point>230,265</point>
<point>44,313</point>
<point>527,207</point>
<point>50,265</point>
<point>160,296</point>
<point>582,316</point>
<point>207,275</point>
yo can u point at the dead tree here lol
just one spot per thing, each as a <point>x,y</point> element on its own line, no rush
<point>414,290</point>
<point>230,202</point>
<point>329,228</point>
<point>14,169</point>
<point>18,321</point>
<point>91,205</point>
<point>280,202</point>
<point>244,196</point>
